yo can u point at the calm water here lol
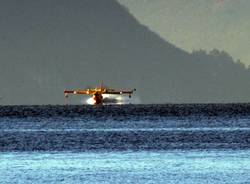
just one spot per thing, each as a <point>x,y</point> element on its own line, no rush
<point>125,144</point>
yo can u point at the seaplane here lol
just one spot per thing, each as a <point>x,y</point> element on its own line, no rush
<point>100,95</point>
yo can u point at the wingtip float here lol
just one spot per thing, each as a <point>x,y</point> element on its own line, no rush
<point>98,93</point>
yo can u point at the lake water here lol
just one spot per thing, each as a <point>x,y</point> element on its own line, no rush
<point>125,144</point>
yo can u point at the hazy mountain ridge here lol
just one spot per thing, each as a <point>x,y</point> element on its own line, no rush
<point>47,46</point>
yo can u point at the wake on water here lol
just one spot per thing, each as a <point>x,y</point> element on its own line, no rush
<point>114,99</point>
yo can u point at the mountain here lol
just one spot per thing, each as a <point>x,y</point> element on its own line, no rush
<point>47,46</point>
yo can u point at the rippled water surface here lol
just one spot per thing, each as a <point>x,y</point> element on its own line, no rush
<point>176,166</point>
<point>125,144</point>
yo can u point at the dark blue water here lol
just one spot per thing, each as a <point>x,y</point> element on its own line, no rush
<point>202,143</point>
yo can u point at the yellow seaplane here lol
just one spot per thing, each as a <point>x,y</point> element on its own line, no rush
<point>99,94</point>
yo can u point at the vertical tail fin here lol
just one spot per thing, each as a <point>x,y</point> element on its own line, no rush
<point>101,85</point>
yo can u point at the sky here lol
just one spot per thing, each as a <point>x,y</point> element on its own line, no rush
<point>198,24</point>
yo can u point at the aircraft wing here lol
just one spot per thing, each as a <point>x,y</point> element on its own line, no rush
<point>94,91</point>
<point>78,92</point>
<point>119,92</point>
